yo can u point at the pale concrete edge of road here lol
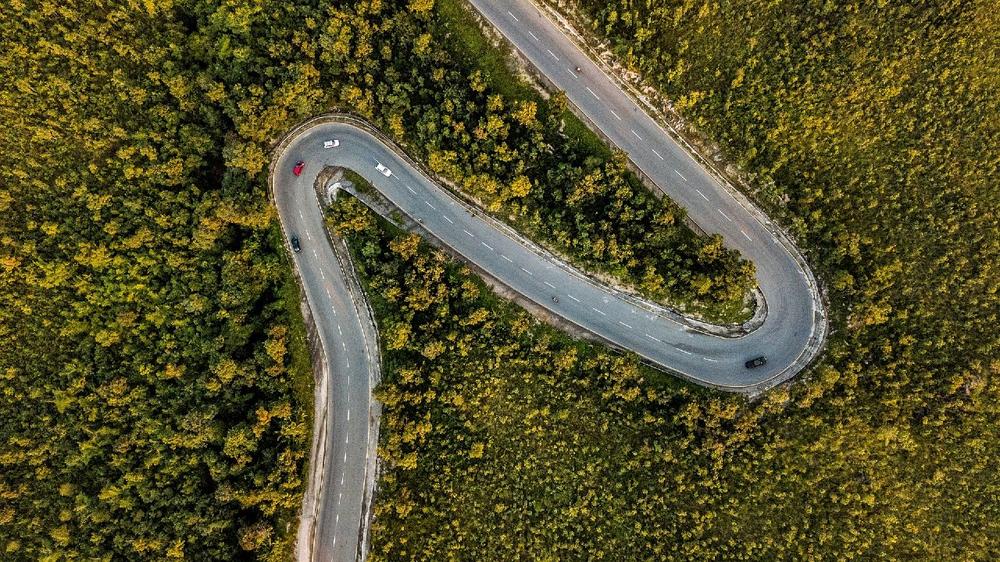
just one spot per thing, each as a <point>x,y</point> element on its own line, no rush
<point>312,497</point>
<point>820,326</point>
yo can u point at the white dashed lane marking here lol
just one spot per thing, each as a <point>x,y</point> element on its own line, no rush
<point>657,153</point>
<point>429,205</point>
<point>410,189</point>
<point>572,297</point>
<point>636,134</point>
<point>526,271</point>
<point>469,233</point>
<point>702,194</point>
<point>448,219</point>
<point>654,339</point>
<point>549,285</point>
<point>533,36</point>
<point>681,175</point>
<point>592,93</point>
<point>553,54</point>
<point>599,311</point>
<point>512,15</point>
<point>616,115</point>
<point>488,246</point>
<point>725,215</point>
<point>506,258</point>
<point>624,324</point>
<point>746,235</point>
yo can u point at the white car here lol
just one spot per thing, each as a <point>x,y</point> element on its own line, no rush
<point>333,143</point>
<point>381,168</point>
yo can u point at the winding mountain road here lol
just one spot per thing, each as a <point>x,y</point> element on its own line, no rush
<point>790,335</point>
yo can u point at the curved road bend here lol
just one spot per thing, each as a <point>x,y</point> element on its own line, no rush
<point>340,330</point>
<point>788,336</point>
<point>795,326</point>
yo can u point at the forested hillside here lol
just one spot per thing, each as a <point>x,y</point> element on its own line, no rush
<point>155,382</point>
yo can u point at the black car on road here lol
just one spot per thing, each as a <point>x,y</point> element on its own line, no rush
<point>295,244</point>
<point>756,362</point>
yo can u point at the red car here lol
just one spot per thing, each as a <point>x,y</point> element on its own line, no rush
<point>297,170</point>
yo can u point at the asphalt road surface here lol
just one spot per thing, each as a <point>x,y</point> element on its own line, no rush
<point>787,337</point>
<point>339,327</point>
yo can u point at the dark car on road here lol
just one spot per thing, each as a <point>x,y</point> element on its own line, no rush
<point>756,362</point>
<point>295,244</point>
<point>297,170</point>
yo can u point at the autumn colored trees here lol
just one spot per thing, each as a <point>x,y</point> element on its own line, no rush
<point>146,394</point>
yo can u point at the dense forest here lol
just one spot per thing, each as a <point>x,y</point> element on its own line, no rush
<point>156,383</point>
